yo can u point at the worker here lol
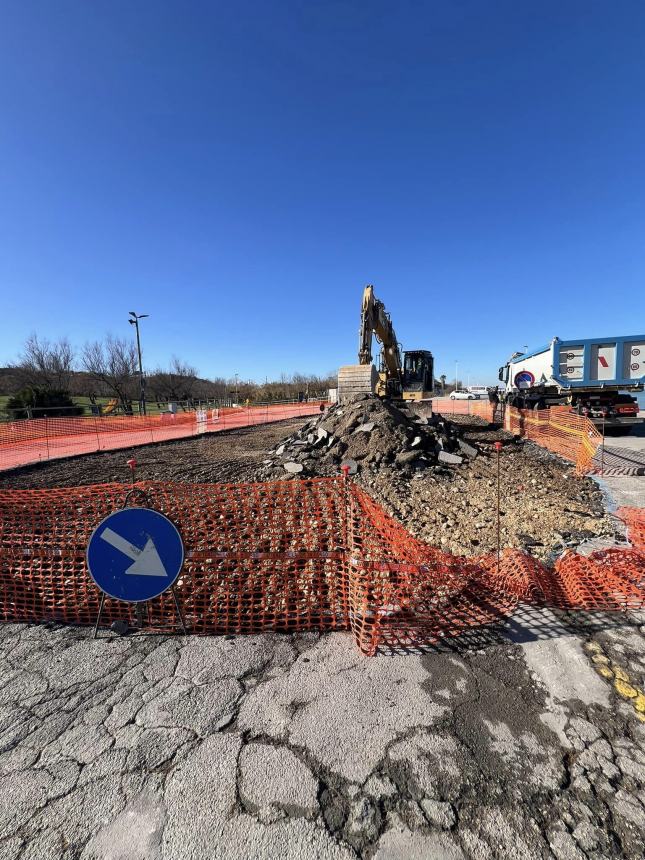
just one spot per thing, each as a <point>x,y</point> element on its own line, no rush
<point>493,397</point>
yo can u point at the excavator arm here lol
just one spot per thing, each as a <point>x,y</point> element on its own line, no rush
<point>362,378</point>
<point>375,320</point>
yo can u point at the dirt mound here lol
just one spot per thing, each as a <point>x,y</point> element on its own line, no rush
<point>368,433</point>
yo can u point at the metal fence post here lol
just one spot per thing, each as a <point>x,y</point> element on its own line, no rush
<point>96,429</point>
<point>47,436</point>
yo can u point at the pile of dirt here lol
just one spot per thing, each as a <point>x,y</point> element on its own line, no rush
<point>545,507</point>
<point>369,434</point>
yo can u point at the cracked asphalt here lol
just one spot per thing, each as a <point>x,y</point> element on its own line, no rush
<point>510,744</point>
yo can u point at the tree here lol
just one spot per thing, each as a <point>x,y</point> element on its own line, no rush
<point>46,365</point>
<point>40,403</point>
<point>442,379</point>
<point>113,365</point>
<point>177,383</point>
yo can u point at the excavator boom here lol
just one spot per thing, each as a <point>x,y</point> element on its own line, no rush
<point>362,378</point>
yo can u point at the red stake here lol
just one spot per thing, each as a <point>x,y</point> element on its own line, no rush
<point>498,448</point>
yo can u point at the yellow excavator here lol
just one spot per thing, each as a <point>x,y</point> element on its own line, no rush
<point>411,378</point>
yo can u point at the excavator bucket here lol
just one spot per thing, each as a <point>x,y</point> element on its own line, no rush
<point>354,379</point>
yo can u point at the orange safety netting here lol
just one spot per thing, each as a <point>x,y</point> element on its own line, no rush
<point>635,521</point>
<point>290,556</point>
<point>562,431</point>
<point>38,439</point>
<point>477,408</point>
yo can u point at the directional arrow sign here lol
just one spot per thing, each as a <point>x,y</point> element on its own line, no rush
<point>135,554</point>
<point>146,560</point>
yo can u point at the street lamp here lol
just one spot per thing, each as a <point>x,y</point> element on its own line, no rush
<point>456,370</point>
<point>142,396</point>
<point>236,394</point>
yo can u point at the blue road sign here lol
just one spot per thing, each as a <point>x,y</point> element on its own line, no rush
<point>135,554</point>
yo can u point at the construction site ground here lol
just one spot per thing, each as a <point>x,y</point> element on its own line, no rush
<point>544,507</point>
<point>523,741</point>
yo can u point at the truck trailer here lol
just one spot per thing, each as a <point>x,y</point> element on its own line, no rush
<point>592,375</point>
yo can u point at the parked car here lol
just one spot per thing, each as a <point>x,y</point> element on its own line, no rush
<point>461,394</point>
<point>480,391</point>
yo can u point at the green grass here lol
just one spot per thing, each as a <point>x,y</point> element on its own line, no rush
<point>86,403</point>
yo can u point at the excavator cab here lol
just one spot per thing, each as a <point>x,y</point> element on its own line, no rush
<point>418,374</point>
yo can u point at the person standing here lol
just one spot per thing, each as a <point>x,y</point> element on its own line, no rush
<point>493,399</point>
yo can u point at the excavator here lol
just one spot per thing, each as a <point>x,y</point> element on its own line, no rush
<point>410,379</point>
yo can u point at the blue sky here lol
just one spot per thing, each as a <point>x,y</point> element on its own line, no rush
<point>240,170</point>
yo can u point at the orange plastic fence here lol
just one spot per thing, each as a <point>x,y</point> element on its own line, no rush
<point>289,556</point>
<point>29,441</point>
<point>572,436</point>
<point>477,408</point>
<point>635,520</point>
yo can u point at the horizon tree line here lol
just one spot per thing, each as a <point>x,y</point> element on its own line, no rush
<point>48,374</point>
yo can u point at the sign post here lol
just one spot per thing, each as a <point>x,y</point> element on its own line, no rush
<point>134,555</point>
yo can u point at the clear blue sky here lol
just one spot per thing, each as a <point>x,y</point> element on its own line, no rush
<point>240,170</point>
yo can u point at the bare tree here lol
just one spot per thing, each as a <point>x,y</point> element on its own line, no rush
<point>113,365</point>
<point>46,365</point>
<point>177,383</point>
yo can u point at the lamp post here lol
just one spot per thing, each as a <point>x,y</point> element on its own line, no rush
<point>142,395</point>
<point>237,400</point>
<point>456,370</point>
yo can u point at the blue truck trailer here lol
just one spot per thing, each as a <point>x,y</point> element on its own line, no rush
<point>595,376</point>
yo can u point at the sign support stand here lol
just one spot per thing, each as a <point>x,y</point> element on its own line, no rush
<point>135,555</point>
<point>180,614</point>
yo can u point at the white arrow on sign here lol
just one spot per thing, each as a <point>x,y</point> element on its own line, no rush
<point>146,560</point>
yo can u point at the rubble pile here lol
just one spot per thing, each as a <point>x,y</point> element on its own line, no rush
<point>368,433</point>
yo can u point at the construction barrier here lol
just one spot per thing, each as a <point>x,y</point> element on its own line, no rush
<point>319,554</point>
<point>634,518</point>
<point>562,431</point>
<point>449,408</point>
<point>35,440</point>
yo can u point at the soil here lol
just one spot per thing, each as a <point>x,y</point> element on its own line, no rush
<point>544,506</point>
<point>226,456</point>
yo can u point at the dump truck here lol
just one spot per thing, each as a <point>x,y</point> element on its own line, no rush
<point>408,375</point>
<point>592,375</point>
